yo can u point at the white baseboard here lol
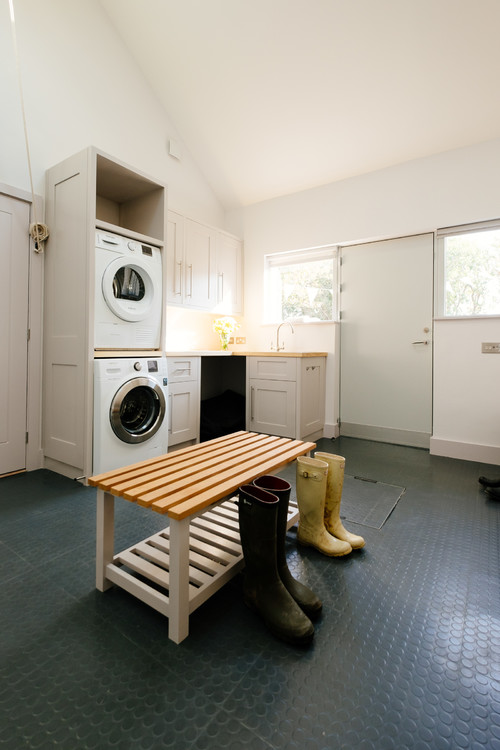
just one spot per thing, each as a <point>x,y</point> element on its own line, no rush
<point>331,430</point>
<point>59,468</point>
<point>486,454</point>
<point>386,435</point>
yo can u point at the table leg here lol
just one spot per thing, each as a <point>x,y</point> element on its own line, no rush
<point>105,531</point>
<point>178,596</point>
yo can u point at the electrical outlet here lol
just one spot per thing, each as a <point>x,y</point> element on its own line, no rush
<point>490,348</point>
<point>241,340</point>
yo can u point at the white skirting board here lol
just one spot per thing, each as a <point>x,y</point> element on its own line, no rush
<point>386,434</point>
<point>486,454</point>
<point>331,430</point>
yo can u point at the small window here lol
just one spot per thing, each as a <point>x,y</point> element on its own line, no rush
<point>302,286</point>
<point>468,272</point>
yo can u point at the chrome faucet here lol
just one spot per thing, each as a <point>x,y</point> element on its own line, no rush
<point>278,348</point>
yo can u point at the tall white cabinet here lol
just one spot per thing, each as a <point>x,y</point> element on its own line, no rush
<point>86,191</point>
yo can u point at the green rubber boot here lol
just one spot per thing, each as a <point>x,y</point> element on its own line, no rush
<point>263,589</point>
<point>304,596</point>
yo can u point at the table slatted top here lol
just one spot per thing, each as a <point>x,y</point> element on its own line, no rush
<point>188,480</point>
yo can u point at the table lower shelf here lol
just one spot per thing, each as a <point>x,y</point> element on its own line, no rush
<point>215,556</point>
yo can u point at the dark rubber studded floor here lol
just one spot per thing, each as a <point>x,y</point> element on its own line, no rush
<point>405,656</point>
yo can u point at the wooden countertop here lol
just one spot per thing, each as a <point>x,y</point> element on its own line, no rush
<point>281,354</point>
<point>110,353</point>
<point>215,352</point>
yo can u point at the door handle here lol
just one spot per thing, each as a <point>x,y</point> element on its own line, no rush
<point>420,342</point>
<point>179,263</point>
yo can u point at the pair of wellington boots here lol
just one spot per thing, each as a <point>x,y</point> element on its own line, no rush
<point>319,493</point>
<point>286,605</point>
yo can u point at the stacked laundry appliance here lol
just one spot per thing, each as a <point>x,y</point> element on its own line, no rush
<point>130,392</point>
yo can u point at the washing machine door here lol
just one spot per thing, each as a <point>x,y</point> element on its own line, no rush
<point>137,410</point>
<point>129,290</point>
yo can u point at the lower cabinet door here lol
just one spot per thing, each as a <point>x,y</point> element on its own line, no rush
<point>312,396</point>
<point>183,412</point>
<point>272,407</point>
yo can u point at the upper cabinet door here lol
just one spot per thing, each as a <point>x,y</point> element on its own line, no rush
<point>199,265</point>
<point>174,258</point>
<point>229,274</point>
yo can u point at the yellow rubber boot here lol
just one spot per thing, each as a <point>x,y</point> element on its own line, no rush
<point>311,492</point>
<point>334,485</point>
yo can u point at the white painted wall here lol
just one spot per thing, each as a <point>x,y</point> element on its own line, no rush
<point>466,390</point>
<point>81,88</point>
<point>454,187</point>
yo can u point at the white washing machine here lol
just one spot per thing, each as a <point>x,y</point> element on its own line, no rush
<point>130,411</point>
<point>128,293</point>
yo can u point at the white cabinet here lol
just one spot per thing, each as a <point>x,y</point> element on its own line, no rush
<point>286,396</point>
<point>85,191</point>
<point>191,263</point>
<point>184,399</point>
<point>204,266</point>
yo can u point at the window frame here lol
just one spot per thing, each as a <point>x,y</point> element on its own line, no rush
<point>295,257</point>
<point>439,266</point>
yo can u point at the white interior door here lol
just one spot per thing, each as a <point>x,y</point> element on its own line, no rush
<point>386,347</point>
<point>14,260</point>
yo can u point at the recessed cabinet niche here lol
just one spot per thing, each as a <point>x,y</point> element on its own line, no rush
<point>128,201</point>
<point>86,191</point>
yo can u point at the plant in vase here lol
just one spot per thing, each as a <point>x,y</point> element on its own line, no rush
<point>225,327</point>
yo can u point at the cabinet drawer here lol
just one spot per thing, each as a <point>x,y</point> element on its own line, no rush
<point>273,368</point>
<point>183,369</point>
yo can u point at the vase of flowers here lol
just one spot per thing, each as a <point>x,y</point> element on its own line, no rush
<point>225,327</point>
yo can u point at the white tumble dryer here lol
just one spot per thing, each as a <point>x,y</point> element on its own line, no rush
<point>128,293</point>
<point>130,411</point>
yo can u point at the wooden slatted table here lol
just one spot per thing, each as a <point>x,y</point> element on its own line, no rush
<point>179,568</point>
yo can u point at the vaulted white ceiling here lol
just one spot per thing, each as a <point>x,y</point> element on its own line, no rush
<point>276,96</point>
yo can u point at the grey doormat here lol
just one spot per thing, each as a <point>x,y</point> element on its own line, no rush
<point>368,502</point>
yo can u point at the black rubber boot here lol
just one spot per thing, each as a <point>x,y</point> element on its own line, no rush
<point>493,492</point>
<point>489,482</point>
<point>304,596</point>
<point>263,589</point>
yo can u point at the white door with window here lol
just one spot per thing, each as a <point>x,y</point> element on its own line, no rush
<point>14,258</point>
<point>386,340</point>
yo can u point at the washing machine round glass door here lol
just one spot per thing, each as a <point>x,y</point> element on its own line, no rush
<point>137,410</point>
<point>128,290</point>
